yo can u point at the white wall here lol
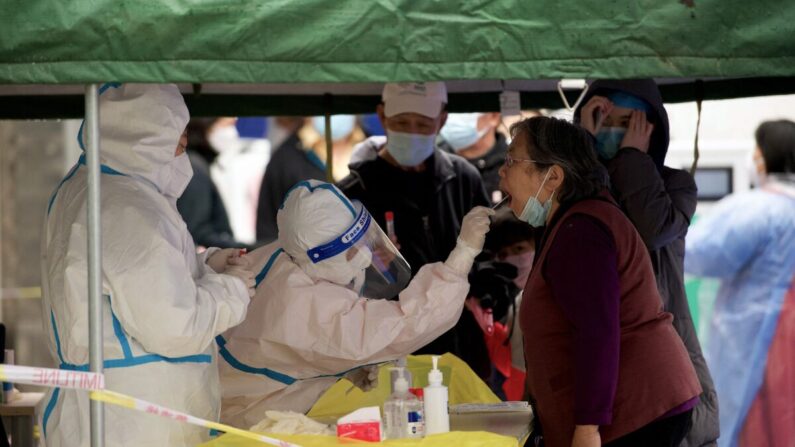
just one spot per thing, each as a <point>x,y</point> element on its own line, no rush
<point>726,135</point>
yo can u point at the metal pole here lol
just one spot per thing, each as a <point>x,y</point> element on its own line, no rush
<point>327,102</point>
<point>329,151</point>
<point>94,257</point>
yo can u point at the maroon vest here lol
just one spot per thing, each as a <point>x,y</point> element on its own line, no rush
<point>655,372</point>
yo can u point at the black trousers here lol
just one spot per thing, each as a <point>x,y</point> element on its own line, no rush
<point>668,432</point>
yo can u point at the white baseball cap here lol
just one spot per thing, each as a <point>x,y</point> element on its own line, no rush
<point>425,98</point>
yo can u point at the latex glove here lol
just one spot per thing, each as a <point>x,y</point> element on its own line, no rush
<point>475,226</point>
<point>588,120</point>
<point>638,132</point>
<point>471,239</point>
<point>220,259</point>
<point>364,378</point>
<point>240,270</point>
<point>290,423</point>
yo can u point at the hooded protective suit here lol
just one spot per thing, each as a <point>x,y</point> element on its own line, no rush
<point>748,241</point>
<point>163,305</point>
<point>660,201</point>
<point>307,329</point>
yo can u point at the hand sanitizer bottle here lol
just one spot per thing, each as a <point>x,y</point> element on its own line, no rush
<point>437,419</point>
<point>403,412</point>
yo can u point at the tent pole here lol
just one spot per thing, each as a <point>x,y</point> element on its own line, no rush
<point>327,100</point>
<point>94,257</point>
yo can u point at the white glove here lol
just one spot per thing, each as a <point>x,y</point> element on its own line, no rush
<point>364,378</point>
<point>220,259</point>
<point>291,423</point>
<point>471,239</point>
<point>239,268</point>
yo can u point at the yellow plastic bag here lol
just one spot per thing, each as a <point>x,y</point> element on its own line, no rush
<point>463,385</point>
<point>457,439</point>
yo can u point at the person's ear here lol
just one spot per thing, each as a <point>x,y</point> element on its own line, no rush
<point>381,115</point>
<point>556,178</point>
<point>442,120</point>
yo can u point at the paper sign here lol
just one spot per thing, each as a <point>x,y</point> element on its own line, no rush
<point>510,103</point>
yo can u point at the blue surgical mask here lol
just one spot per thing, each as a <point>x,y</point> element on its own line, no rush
<point>534,213</point>
<point>341,126</point>
<point>461,130</point>
<point>608,141</point>
<point>409,149</point>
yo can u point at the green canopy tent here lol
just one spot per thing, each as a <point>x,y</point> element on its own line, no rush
<point>314,56</point>
<point>310,57</point>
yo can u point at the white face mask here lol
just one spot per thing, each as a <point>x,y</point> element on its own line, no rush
<point>224,139</point>
<point>277,134</point>
<point>757,179</point>
<point>410,149</point>
<point>345,272</point>
<point>178,175</point>
<point>341,126</point>
<point>461,130</point>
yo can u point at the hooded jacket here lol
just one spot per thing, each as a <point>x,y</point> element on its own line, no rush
<point>162,304</point>
<point>660,201</point>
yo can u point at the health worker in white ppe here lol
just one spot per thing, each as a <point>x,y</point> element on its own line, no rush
<point>163,304</point>
<point>317,314</point>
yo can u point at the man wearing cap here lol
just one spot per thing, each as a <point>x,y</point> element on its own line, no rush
<point>426,189</point>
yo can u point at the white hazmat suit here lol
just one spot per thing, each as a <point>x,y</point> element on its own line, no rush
<point>306,327</point>
<point>163,306</point>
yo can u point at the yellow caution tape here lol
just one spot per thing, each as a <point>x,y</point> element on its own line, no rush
<point>122,400</point>
<point>95,383</point>
<point>20,293</point>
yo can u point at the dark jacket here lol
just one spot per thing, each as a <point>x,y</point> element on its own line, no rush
<point>203,210</point>
<point>489,164</point>
<point>660,201</point>
<point>290,164</point>
<point>427,232</point>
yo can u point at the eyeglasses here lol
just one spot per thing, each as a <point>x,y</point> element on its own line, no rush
<point>509,160</point>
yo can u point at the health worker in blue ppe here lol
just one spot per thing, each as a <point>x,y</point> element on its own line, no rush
<point>163,305</point>
<point>748,242</point>
<point>320,312</point>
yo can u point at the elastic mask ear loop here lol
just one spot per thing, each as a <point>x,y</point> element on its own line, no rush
<point>542,186</point>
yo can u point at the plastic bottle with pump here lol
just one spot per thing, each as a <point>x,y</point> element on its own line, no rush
<point>403,412</point>
<point>437,418</point>
<point>400,370</point>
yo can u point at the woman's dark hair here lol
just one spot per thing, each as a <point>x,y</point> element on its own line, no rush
<point>776,140</point>
<point>553,141</point>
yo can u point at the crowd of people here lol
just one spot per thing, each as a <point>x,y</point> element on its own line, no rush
<point>228,235</point>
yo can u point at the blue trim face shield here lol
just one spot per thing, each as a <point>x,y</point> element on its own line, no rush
<point>343,243</point>
<point>365,253</point>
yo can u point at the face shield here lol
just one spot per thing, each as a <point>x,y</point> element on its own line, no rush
<point>364,258</point>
